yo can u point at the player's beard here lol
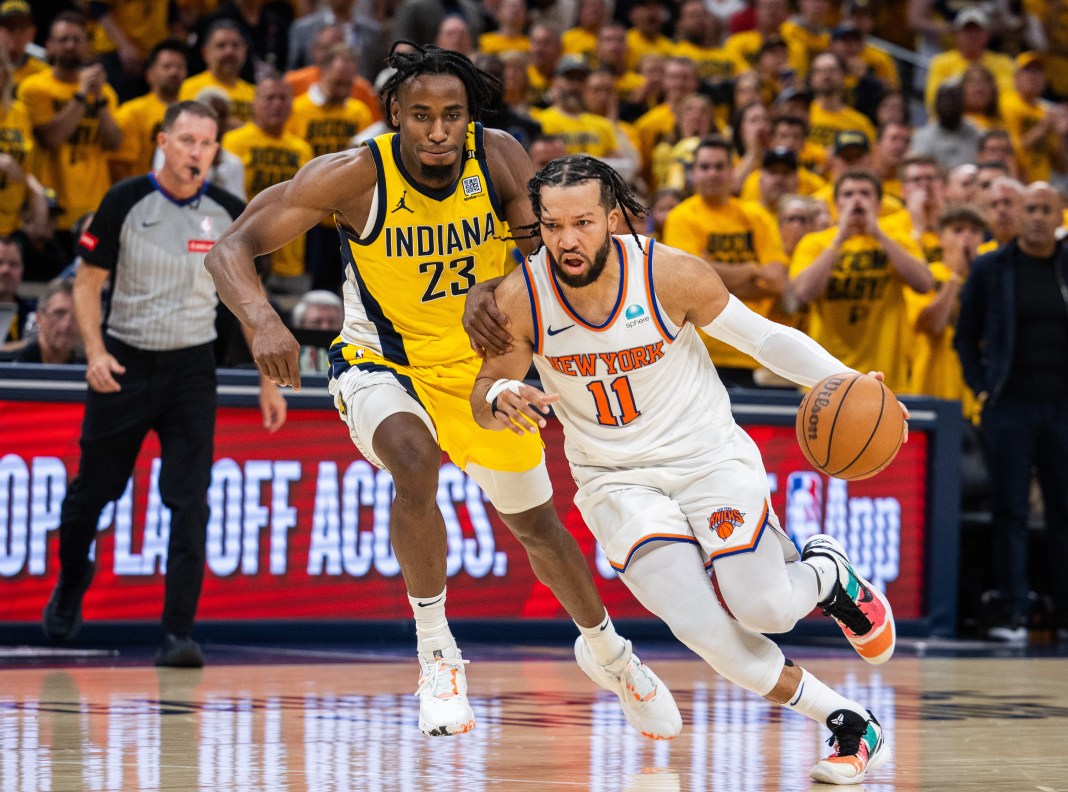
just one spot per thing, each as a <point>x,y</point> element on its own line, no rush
<point>600,259</point>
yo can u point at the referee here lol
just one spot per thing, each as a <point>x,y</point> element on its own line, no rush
<point>151,366</point>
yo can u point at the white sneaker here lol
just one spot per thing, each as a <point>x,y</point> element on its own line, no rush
<point>442,692</point>
<point>647,703</point>
<point>1008,634</point>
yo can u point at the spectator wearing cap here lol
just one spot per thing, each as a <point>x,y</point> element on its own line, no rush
<point>140,119</point>
<point>645,36</point>
<point>124,33</point>
<point>923,189</point>
<point>935,368</point>
<point>17,32</point>
<point>807,182</point>
<point>852,277</point>
<point>582,38</point>
<point>740,241</point>
<point>891,147</point>
<point>698,36</point>
<point>72,110</point>
<point>1036,127</point>
<point>225,52</point>
<point>776,178</point>
<point>860,15</point>
<point>829,114</point>
<point>510,35</point>
<point>972,33</point>
<point>566,117</point>
<point>809,27</point>
<point>58,340</point>
<point>852,151</point>
<point>948,137</point>
<point>770,16</point>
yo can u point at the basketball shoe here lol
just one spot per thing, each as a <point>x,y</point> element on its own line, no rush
<point>858,748</point>
<point>62,617</point>
<point>442,692</point>
<point>858,607</point>
<point>647,703</point>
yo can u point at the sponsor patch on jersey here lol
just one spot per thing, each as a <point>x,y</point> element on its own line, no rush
<point>88,241</point>
<point>472,186</point>
<point>724,521</point>
<point>635,315</point>
<point>201,245</point>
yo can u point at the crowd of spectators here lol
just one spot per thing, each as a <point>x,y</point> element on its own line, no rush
<point>834,187</point>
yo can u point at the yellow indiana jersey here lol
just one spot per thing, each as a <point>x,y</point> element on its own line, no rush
<point>735,233</point>
<point>16,139</point>
<point>824,125</point>
<point>936,369</point>
<point>860,318</point>
<point>270,160</point>
<point>408,276</point>
<point>140,120</point>
<point>78,169</point>
<point>241,93</point>
<point>327,127</point>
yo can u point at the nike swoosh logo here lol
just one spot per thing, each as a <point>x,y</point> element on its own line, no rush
<point>552,331</point>
<point>149,225</point>
<point>428,604</point>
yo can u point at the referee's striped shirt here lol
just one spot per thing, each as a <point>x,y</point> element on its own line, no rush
<point>162,297</point>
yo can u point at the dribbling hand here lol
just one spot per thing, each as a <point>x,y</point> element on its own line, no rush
<point>277,354</point>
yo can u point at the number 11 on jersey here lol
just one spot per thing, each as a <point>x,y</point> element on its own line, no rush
<point>624,399</point>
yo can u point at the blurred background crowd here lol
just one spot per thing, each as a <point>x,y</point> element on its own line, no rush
<point>738,121</point>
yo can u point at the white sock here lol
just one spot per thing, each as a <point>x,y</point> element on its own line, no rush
<point>826,573</point>
<point>604,642</point>
<point>431,627</point>
<point>815,700</point>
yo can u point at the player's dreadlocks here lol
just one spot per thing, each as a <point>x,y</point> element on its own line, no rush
<point>577,168</point>
<point>482,88</point>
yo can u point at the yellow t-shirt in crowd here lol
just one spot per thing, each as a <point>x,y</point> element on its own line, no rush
<point>579,41</point>
<point>327,128</point>
<point>807,184</point>
<point>901,223</point>
<point>585,133</point>
<point>1020,118</point>
<point>16,140</point>
<point>29,66</point>
<point>947,65</point>
<point>269,160</point>
<point>714,64</point>
<point>813,157</point>
<point>78,169</point>
<point>935,369</point>
<point>241,93</point>
<point>745,46</point>
<point>734,233</point>
<point>860,318</point>
<point>140,120</point>
<point>494,43</point>
<point>824,125</point>
<point>813,42</point>
<point>638,46</point>
<point>144,23</point>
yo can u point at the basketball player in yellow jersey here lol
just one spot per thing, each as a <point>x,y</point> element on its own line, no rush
<point>852,278</point>
<point>423,214</point>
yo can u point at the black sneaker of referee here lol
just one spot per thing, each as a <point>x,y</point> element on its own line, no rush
<point>62,617</point>
<point>176,652</point>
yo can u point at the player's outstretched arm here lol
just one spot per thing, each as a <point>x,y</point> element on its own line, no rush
<point>499,398</point>
<point>273,218</point>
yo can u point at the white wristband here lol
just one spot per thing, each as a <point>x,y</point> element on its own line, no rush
<point>500,386</point>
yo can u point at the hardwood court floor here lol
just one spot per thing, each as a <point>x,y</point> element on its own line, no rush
<point>990,724</point>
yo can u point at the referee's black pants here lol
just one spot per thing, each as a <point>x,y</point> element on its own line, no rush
<point>172,393</point>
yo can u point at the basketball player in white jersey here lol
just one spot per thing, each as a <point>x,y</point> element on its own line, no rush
<point>669,484</point>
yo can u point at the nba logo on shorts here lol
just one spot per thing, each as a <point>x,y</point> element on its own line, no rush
<point>804,505</point>
<point>472,186</point>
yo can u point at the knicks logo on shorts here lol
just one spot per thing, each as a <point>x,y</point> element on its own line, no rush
<point>724,521</point>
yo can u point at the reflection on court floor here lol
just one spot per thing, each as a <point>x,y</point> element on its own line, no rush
<point>333,728</point>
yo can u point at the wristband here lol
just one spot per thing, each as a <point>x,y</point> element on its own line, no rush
<point>499,387</point>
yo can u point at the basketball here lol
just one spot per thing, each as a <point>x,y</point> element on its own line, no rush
<point>850,426</point>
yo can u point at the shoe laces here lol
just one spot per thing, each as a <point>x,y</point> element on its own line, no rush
<point>638,681</point>
<point>439,677</point>
<point>845,739</point>
<point>844,609</point>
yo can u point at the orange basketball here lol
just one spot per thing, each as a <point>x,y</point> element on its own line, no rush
<point>850,426</point>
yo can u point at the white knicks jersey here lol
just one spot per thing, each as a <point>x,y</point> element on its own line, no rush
<point>635,390</point>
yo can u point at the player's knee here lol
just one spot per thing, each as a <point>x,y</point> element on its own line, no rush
<point>537,527</point>
<point>414,465</point>
<point>761,612</point>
